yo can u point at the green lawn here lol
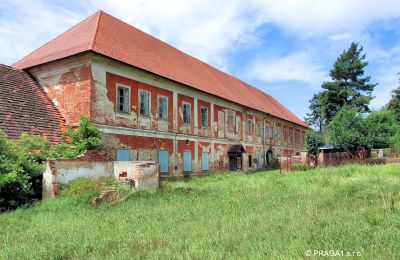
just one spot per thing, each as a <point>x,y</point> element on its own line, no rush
<point>232,215</point>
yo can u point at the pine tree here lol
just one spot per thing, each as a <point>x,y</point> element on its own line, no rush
<point>394,103</point>
<point>349,86</point>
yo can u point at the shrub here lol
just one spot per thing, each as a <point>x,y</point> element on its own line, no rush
<point>20,170</point>
<point>86,137</point>
<point>21,162</point>
<point>300,167</point>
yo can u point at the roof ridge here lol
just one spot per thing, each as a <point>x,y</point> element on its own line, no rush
<point>93,40</point>
<point>47,43</point>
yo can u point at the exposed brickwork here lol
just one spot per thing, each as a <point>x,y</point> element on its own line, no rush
<point>24,107</point>
<point>71,92</point>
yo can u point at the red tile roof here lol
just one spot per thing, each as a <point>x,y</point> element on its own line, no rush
<point>106,35</point>
<point>25,107</point>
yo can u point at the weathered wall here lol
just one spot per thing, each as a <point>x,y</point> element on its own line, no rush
<point>144,174</point>
<point>227,121</point>
<point>68,83</point>
<point>61,171</point>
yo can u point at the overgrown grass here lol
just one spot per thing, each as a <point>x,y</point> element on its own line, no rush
<point>231,215</point>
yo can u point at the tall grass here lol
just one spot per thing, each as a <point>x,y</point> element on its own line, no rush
<point>231,215</point>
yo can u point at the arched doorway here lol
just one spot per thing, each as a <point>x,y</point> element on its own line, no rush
<point>268,157</point>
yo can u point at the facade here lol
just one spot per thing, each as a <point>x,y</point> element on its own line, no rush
<point>153,102</point>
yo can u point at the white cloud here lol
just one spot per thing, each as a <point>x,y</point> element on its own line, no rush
<point>294,67</point>
<point>25,26</point>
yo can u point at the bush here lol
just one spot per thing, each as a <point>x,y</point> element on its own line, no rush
<point>347,130</point>
<point>21,162</point>
<point>20,170</point>
<point>300,167</point>
<point>86,137</point>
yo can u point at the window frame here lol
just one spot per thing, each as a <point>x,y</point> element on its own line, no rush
<point>249,130</point>
<point>140,102</point>
<point>183,113</point>
<point>201,113</point>
<point>158,107</point>
<point>117,98</point>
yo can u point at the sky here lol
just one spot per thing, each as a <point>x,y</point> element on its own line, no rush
<point>285,48</point>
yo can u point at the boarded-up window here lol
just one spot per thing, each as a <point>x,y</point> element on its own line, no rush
<point>221,121</point>
<point>231,123</point>
<point>187,161</point>
<point>259,129</point>
<point>163,161</point>
<point>123,155</point>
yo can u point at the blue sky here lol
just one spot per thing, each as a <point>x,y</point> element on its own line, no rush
<point>286,48</point>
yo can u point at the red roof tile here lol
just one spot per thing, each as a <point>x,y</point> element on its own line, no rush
<point>106,35</point>
<point>25,107</point>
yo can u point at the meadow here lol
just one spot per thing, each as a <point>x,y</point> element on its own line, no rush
<point>351,209</point>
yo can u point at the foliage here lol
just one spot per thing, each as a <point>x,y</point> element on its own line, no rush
<point>86,137</point>
<point>20,170</point>
<point>349,87</point>
<point>313,141</point>
<point>394,103</point>
<point>21,162</point>
<point>300,167</point>
<point>347,130</point>
<point>381,128</point>
<point>264,215</point>
<point>317,117</point>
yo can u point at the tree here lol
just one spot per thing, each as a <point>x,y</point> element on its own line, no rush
<point>347,130</point>
<point>317,117</point>
<point>394,103</point>
<point>348,87</point>
<point>381,127</point>
<point>314,141</point>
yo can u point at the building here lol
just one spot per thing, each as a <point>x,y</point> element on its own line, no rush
<point>25,107</point>
<point>154,102</point>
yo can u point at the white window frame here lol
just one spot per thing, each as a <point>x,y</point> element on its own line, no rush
<point>118,86</point>
<point>201,112</point>
<point>183,113</point>
<point>140,101</point>
<point>166,107</point>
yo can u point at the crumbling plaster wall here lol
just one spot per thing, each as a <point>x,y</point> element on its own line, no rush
<point>68,83</point>
<point>191,137</point>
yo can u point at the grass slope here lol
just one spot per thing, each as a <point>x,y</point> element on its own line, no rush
<point>233,215</point>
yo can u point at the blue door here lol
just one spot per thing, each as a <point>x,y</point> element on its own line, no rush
<point>123,155</point>
<point>204,161</point>
<point>163,161</point>
<point>187,161</point>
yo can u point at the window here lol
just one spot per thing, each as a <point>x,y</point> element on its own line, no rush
<point>186,113</point>
<point>144,101</point>
<point>249,127</point>
<point>259,129</point>
<point>266,132</point>
<point>238,124</point>
<point>187,161</point>
<point>204,117</point>
<point>122,99</point>
<point>231,123</point>
<point>162,107</point>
